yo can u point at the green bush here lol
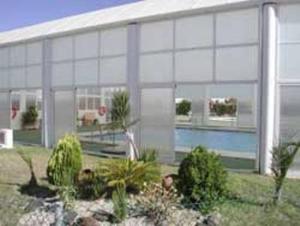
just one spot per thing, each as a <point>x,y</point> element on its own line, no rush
<point>148,155</point>
<point>66,157</point>
<point>90,185</point>
<point>128,173</point>
<point>183,108</point>
<point>30,116</point>
<point>202,179</point>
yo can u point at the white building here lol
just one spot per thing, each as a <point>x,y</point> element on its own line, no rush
<point>247,49</point>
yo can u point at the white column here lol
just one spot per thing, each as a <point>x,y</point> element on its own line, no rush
<point>268,86</point>
<point>133,75</point>
<point>47,121</point>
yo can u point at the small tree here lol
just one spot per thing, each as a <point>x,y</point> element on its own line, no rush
<point>65,160</point>
<point>30,116</point>
<point>28,160</point>
<point>282,158</point>
<point>183,108</point>
<point>120,113</point>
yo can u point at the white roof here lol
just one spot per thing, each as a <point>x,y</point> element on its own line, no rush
<point>120,14</point>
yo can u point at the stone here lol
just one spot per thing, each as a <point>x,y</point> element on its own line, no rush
<point>87,221</point>
<point>213,220</point>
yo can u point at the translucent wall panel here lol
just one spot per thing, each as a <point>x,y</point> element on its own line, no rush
<point>290,120</point>
<point>156,68</point>
<point>86,45</point>
<point>196,95</point>
<point>34,76</point>
<point>17,55</point>
<point>194,31</point>
<point>195,65</point>
<point>289,61</point>
<point>289,112</point>
<point>64,117</point>
<point>4,79</point>
<point>113,70</point>
<point>62,74</point>
<point>86,72</point>
<point>239,63</point>
<point>289,19</point>
<point>113,42</point>
<point>34,53</point>
<point>237,27</point>
<point>4,110</point>
<point>62,49</point>
<point>157,36</point>
<point>17,78</point>
<point>4,57</point>
<point>157,121</point>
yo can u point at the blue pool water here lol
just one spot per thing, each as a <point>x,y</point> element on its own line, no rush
<point>219,140</point>
<point>212,139</point>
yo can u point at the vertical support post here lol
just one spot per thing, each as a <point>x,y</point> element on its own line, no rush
<point>47,121</point>
<point>133,75</point>
<point>268,86</point>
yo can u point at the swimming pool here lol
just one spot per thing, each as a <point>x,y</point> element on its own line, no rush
<point>187,138</point>
<point>218,140</point>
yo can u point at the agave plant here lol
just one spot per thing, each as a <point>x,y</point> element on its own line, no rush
<point>130,174</point>
<point>282,158</point>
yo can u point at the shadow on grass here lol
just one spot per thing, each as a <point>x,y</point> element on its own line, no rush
<point>242,200</point>
<point>37,191</point>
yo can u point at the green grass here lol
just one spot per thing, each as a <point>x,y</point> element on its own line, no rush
<point>250,206</point>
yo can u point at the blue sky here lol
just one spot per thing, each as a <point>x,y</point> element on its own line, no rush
<point>20,13</point>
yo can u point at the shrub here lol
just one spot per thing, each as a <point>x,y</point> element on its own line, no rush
<point>66,157</point>
<point>202,179</point>
<point>128,173</point>
<point>90,185</point>
<point>183,108</point>
<point>148,155</point>
<point>156,202</point>
<point>119,199</point>
<point>282,159</point>
<point>30,116</point>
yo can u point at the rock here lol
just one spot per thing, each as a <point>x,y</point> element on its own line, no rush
<point>213,220</point>
<point>69,217</point>
<point>87,221</point>
<point>34,204</point>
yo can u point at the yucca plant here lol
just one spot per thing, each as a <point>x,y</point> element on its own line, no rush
<point>130,174</point>
<point>282,158</point>
<point>120,115</point>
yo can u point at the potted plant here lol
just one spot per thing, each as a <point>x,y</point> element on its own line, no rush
<point>29,118</point>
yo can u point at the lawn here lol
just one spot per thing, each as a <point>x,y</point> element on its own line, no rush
<point>249,205</point>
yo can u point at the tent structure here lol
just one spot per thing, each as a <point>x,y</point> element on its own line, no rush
<point>162,51</point>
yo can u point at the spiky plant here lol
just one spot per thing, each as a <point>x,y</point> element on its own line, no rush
<point>128,173</point>
<point>282,158</point>
<point>119,199</point>
<point>120,115</point>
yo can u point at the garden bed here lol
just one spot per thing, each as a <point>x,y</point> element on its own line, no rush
<point>249,206</point>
